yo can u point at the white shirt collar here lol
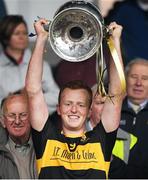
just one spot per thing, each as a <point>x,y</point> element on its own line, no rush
<point>142,105</point>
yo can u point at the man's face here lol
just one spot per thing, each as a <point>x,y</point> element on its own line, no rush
<point>96,109</point>
<point>16,118</point>
<point>74,109</point>
<point>137,83</point>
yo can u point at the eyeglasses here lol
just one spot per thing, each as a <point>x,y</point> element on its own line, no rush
<point>12,117</point>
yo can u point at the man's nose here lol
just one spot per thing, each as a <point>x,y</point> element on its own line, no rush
<point>138,81</point>
<point>74,108</point>
<point>17,120</point>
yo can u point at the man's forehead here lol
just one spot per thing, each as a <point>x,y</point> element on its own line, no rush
<point>74,91</point>
<point>16,98</point>
<point>75,95</point>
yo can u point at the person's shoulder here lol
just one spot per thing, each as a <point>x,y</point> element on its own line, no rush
<point>3,135</point>
<point>126,4</point>
<point>53,122</point>
<point>3,59</point>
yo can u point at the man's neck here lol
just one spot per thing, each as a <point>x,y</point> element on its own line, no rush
<point>73,133</point>
<point>20,140</point>
<point>136,101</point>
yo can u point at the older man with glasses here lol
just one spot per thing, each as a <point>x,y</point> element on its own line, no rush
<point>17,154</point>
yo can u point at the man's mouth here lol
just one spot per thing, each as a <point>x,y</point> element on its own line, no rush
<point>18,127</point>
<point>73,117</point>
<point>138,91</point>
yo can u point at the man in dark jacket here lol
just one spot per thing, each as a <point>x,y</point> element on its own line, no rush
<point>134,116</point>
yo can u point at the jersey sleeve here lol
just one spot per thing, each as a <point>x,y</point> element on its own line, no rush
<point>52,126</point>
<point>107,140</point>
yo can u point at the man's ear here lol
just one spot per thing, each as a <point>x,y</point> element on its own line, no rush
<point>2,121</point>
<point>89,112</point>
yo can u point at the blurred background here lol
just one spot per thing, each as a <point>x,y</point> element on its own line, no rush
<point>30,9</point>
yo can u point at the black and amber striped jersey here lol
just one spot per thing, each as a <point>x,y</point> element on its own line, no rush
<point>61,157</point>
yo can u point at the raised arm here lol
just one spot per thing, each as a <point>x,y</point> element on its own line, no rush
<point>112,107</point>
<point>50,88</point>
<point>37,105</point>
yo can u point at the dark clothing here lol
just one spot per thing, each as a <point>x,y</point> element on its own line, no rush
<point>117,168</point>
<point>3,135</point>
<point>138,162</point>
<point>3,10</point>
<point>120,170</point>
<point>61,157</point>
<point>136,124</point>
<point>135,28</point>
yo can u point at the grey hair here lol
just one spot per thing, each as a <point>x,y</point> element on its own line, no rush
<point>19,92</point>
<point>135,61</point>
